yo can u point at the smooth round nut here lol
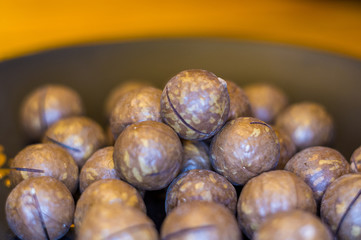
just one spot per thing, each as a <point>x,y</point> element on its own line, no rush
<point>80,136</point>
<point>109,191</point>
<point>44,160</point>
<point>287,147</point>
<point>244,148</point>
<point>308,124</point>
<point>202,185</point>
<point>269,193</point>
<point>195,155</point>
<point>239,102</point>
<point>295,224</point>
<point>200,220</point>
<point>195,103</point>
<point>356,160</point>
<point>40,208</point>
<point>116,221</point>
<point>341,207</point>
<point>148,155</point>
<point>46,105</point>
<point>318,167</point>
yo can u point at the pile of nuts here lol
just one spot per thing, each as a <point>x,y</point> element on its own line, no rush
<point>201,138</point>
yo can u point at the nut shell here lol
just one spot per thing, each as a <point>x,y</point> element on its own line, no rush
<point>244,148</point>
<point>195,155</point>
<point>269,193</point>
<point>148,155</point>
<point>45,160</point>
<point>239,102</point>
<point>356,161</point>
<point>318,167</point>
<point>202,185</point>
<point>287,147</point>
<point>195,103</point>
<point>38,207</point>
<point>200,220</point>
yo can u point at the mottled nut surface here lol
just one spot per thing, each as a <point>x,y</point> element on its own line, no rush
<point>287,147</point>
<point>120,91</point>
<point>138,105</point>
<point>308,124</point>
<point>46,105</point>
<point>341,206</point>
<point>80,136</point>
<point>195,155</point>
<point>269,193</point>
<point>200,220</point>
<point>267,101</point>
<point>44,160</point>
<point>99,166</point>
<point>356,160</point>
<point>106,191</point>
<point>318,167</point>
<point>116,221</point>
<point>40,208</point>
<point>295,225</point>
<point>244,148</point>
<point>203,185</point>
<point>195,103</point>
<point>148,155</point>
<point>239,103</point>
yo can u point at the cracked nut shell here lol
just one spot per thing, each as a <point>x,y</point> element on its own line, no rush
<point>195,103</point>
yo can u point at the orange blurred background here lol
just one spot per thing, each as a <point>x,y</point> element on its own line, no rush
<point>30,26</point>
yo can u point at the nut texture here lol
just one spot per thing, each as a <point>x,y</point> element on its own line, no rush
<point>318,167</point>
<point>307,123</point>
<point>200,220</point>
<point>356,160</point>
<point>195,103</point>
<point>295,225</point>
<point>341,207</point>
<point>109,191</point>
<point>269,193</point>
<point>239,103</point>
<point>148,155</point>
<point>99,166</point>
<point>195,155</point>
<point>287,147</point>
<point>46,105</point>
<point>244,148</point>
<point>80,136</point>
<point>267,101</point>
<point>138,105</point>
<point>203,185</point>
<point>116,221</point>
<point>44,160</point>
<point>40,208</point>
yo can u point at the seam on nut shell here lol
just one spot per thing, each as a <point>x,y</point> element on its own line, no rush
<point>27,169</point>
<point>347,211</point>
<point>129,229</point>
<point>62,144</point>
<point>262,123</point>
<point>37,206</point>
<point>188,230</point>
<point>180,117</point>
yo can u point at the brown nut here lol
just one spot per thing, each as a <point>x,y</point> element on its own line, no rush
<point>341,207</point>
<point>106,191</point>
<point>239,103</point>
<point>138,105</point>
<point>46,105</point>
<point>195,103</point>
<point>80,136</point>
<point>269,193</point>
<point>118,92</point>
<point>99,166</point>
<point>296,225</point>
<point>200,220</point>
<point>244,148</point>
<point>148,155</point>
<point>40,208</point>
<point>195,155</point>
<point>44,160</point>
<point>287,147</point>
<point>308,124</point>
<point>202,185</point>
<point>318,167</point>
<point>116,221</point>
<point>266,100</point>
<point>356,160</point>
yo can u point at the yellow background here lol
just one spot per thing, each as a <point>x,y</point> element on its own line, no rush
<point>28,26</point>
